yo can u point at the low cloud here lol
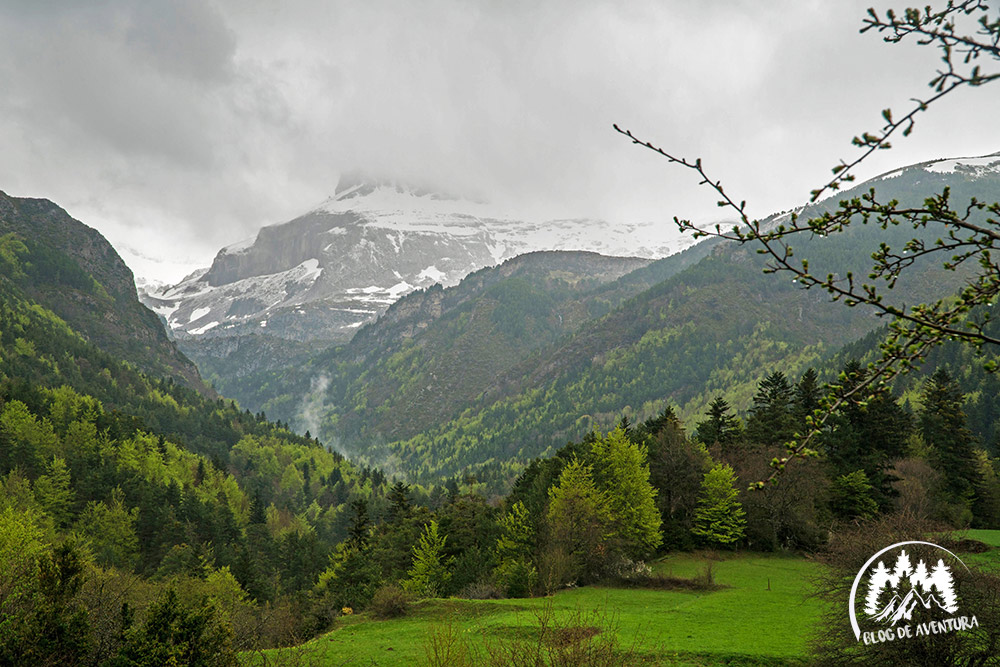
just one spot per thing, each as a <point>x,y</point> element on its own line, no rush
<point>179,127</point>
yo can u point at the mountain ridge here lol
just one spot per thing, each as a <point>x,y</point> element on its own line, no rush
<point>327,272</point>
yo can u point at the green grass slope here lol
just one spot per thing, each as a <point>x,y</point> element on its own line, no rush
<point>743,623</point>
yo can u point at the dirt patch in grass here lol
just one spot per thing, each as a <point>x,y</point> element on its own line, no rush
<point>572,634</point>
<point>965,545</point>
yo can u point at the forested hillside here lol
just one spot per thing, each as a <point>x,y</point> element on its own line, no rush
<point>73,271</point>
<point>127,484</point>
<point>708,330</point>
<point>518,359</point>
<point>434,350</point>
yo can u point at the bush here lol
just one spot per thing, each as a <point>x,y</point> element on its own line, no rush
<point>581,639</point>
<point>480,590</point>
<point>390,601</point>
<point>516,578</point>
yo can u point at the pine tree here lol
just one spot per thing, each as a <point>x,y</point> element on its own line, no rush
<point>851,496</point>
<point>719,519</point>
<point>429,575</point>
<point>943,427</point>
<point>772,420</point>
<point>399,502</point>
<point>677,467</point>
<point>358,530</point>
<point>621,471</point>
<point>666,419</point>
<point>807,397</point>
<point>351,578</point>
<point>868,436</point>
<point>721,427</point>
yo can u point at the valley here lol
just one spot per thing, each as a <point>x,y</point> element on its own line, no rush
<point>443,335</point>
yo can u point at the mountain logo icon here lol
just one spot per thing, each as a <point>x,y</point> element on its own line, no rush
<point>898,591</point>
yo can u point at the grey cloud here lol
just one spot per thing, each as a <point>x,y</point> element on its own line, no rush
<point>197,122</point>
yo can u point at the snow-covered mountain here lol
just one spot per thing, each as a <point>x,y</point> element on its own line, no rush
<point>327,272</point>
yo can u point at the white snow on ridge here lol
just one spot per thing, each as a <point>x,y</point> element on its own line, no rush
<point>201,330</point>
<point>239,246</point>
<point>198,313</point>
<point>401,288</point>
<point>979,165</point>
<point>432,273</point>
<point>166,309</point>
<point>373,294</point>
<point>312,271</point>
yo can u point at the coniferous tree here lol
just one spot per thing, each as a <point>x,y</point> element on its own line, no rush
<point>677,467</point>
<point>986,487</point>
<point>868,435</point>
<point>350,580</point>
<point>807,396</point>
<point>719,519</point>
<point>721,427</point>
<point>579,519</point>
<point>55,493</point>
<point>666,419</point>
<point>515,574</point>
<point>943,427</point>
<point>851,496</point>
<point>429,575</point>
<point>399,502</point>
<point>772,419</point>
<point>357,532</point>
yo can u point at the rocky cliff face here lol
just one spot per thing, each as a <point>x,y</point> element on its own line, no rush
<point>324,274</point>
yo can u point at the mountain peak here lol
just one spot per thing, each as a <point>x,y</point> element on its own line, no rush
<point>359,191</point>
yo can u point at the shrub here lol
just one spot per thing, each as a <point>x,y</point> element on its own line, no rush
<point>390,601</point>
<point>516,578</point>
<point>480,590</point>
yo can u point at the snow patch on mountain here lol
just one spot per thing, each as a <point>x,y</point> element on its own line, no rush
<point>198,313</point>
<point>327,272</point>
<point>432,273</point>
<point>201,330</point>
<point>980,166</point>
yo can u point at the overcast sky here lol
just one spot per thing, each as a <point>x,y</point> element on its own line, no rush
<point>178,127</point>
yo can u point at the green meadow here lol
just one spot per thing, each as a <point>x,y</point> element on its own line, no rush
<point>762,613</point>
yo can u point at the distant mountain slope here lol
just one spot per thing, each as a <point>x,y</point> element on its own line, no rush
<point>456,341</point>
<point>72,270</point>
<point>441,384</point>
<point>340,265</point>
<point>715,327</point>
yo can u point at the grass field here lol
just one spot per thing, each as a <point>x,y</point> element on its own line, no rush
<point>762,615</point>
<point>743,623</point>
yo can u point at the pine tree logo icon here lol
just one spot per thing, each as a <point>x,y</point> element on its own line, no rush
<point>897,591</point>
<point>894,595</point>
